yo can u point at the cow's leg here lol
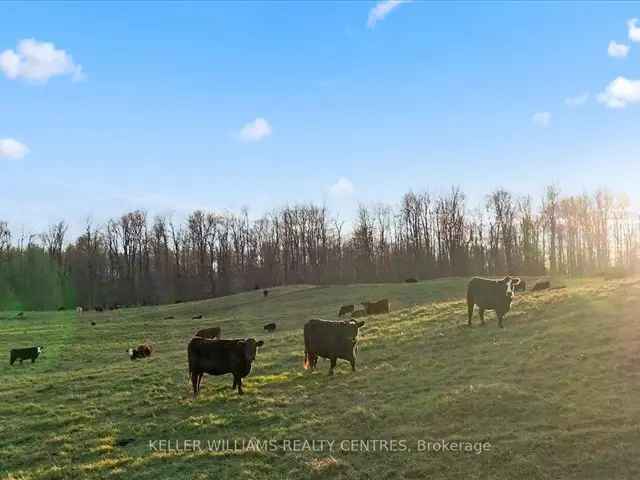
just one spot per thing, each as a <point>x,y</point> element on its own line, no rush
<point>353,364</point>
<point>235,383</point>
<point>194,384</point>
<point>200,380</point>
<point>481,312</point>
<point>470,306</point>
<point>239,380</point>
<point>333,365</point>
<point>33,360</point>
<point>500,320</point>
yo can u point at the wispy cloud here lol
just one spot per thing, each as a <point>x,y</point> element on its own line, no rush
<point>541,119</point>
<point>11,148</point>
<point>37,62</point>
<point>634,30</point>
<point>342,188</point>
<point>620,93</point>
<point>255,131</point>
<point>381,10</point>
<point>577,101</point>
<point>617,50</point>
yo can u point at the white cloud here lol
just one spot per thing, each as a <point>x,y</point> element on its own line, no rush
<point>541,119</point>
<point>617,50</point>
<point>38,62</point>
<point>10,148</point>
<point>634,30</point>
<point>577,101</point>
<point>381,10</point>
<point>255,131</point>
<point>342,188</point>
<point>620,92</point>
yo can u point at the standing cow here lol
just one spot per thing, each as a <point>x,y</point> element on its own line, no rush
<point>490,295</point>
<point>21,354</point>
<point>219,357</point>
<point>332,340</point>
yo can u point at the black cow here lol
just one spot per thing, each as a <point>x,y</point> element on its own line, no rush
<point>331,340</point>
<point>411,280</point>
<point>265,293</point>
<point>219,357</point>
<point>99,309</point>
<point>21,354</point>
<point>490,295</point>
<point>196,317</point>
<point>270,327</point>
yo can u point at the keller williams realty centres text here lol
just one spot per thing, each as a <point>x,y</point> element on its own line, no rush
<point>301,445</point>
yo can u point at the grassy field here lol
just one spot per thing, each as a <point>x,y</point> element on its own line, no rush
<point>556,393</point>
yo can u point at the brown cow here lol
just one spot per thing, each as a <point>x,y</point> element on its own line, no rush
<point>211,332</point>
<point>141,351</point>
<point>373,308</point>
<point>345,309</point>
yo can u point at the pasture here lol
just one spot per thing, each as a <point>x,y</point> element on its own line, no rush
<point>556,393</point>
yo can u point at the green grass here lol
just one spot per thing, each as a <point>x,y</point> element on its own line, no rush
<point>556,392</point>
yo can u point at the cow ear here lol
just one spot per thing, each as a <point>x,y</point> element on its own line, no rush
<point>259,343</point>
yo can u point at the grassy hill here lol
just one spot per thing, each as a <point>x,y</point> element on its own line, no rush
<point>556,393</point>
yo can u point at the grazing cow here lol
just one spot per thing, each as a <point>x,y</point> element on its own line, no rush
<point>411,280</point>
<point>219,357</point>
<point>345,309</point>
<point>373,308</point>
<point>196,317</point>
<point>141,351</point>
<point>359,314</point>
<point>211,332</point>
<point>78,309</point>
<point>270,327</point>
<point>21,354</point>
<point>331,340</point>
<point>169,317</point>
<point>99,309</point>
<point>520,287</point>
<point>490,295</point>
<point>93,324</point>
<point>541,285</point>
<point>20,315</point>
<point>60,309</point>
<point>265,293</point>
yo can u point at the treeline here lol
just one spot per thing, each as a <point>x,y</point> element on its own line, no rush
<point>135,259</point>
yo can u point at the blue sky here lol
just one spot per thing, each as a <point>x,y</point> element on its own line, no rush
<point>154,106</point>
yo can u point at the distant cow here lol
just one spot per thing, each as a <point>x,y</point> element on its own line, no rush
<point>270,327</point>
<point>60,309</point>
<point>359,314</point>
<point>196,317</point>
<point>99,309</point>
<point>169,317</point>
<point>373,308</point>
<point>211,332</point>
<point>219,357</point>
<point>541,285</point>
<point>345,309</point>
<point>520,287</point>
<point>78,309</point>
<point>332,340</point>
<point>490,295</point>
<point>265,293</point>
<point>141,351</point>
<point>20,315</point>
<point>93,324</point>
<point>21,354</point>
<point>411,280</point>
